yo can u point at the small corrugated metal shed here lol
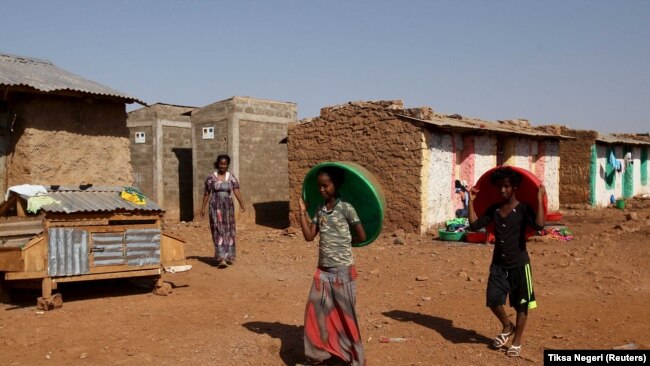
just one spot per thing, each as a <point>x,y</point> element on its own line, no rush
<point>44,76</point>
<point>91,233</point>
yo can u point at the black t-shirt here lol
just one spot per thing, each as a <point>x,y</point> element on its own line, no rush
<point>509,233</point>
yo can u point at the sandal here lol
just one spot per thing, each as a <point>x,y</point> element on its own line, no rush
<point>513,351</point>
<point>501,339</point>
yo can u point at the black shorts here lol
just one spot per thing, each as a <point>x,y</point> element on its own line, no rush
<point>514,282</point>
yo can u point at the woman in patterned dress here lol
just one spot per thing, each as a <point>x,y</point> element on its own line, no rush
<point>219,188</point>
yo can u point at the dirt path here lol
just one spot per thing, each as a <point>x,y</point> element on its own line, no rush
<point>592,293</point>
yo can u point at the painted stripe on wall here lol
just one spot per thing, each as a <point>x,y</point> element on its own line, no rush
<point>593,171</point>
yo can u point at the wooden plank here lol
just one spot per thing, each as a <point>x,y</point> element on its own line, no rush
<point>11,276</point>
<point>99,222</point>
<point>11,260</point>
<point>54,217</point>
<point>174,236</point>
<point>8,204</point>
<point>115,228</point>
<point>121,268</point>
<point>172,251</point>
<point>21,232</point>
<point>106,276</point>
<point>21,207</point>
<point>46,287</point>
<point>35,256</point>
<point>35,240</point>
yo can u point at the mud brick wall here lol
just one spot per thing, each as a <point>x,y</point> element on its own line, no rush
<point>177,171</point>
<point>575,156</point>
<point>61,140</point>
<point>142,159</point>
<point>367,133</point>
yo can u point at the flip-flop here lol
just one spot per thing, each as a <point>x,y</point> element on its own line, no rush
<point>501,339</point>
<point>513,351</point>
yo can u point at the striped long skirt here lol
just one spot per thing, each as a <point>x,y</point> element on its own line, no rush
<point>331,326</point>
<point>222,226</point>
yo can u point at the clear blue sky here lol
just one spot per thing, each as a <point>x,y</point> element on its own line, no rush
<point>585,63</point>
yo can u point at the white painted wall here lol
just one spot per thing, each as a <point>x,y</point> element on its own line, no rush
<point>441,169</point>
<point>602,193</point>
<point>522,153</point>
<point>485,149</point>
<point>638,188</point>
<point>552,174</point>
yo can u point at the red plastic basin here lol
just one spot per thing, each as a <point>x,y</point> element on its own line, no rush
<point>554,216</point>
<point>478,237</point>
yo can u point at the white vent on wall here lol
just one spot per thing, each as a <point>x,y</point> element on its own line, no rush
<point>208,133</point>
<point>140,138</point>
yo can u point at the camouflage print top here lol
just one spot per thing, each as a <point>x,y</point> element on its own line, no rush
<point>335,248</point>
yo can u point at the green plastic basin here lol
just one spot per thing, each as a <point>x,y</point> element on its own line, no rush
<point>360,188</point>
<point>445,235</point>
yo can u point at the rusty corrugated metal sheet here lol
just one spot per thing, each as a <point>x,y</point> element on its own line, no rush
<point>67,252</point>
<point>478,125</point>
<point>610,139</point>
<point>44,76</point>
<point>107,248</point>
<point>142,246</point>
<point>94,199</point>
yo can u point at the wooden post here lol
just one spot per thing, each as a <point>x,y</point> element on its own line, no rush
<point>46,287</point>
<point>4,290</point>
<point>21,207</point>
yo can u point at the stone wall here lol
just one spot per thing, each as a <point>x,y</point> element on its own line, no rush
<point>367,133</point>
<point>252,132</point>
<point>574,169</point>
<point>205,152</point>
<point>163,164</point>
<point>142,159</point>
<point>65,140</point>
<point>263,170</point>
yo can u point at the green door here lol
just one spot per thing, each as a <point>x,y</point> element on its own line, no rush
<point>628,177</point>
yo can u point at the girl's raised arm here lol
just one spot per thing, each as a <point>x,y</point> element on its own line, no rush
<point>309,230</point>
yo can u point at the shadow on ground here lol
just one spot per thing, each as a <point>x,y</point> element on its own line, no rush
<point>441,325</point>
<point>292,348</point>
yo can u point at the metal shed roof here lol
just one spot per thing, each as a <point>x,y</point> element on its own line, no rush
<point>43,75</point>
<point>93,200</point>
<point>480,125</point>
<point>610,140</point>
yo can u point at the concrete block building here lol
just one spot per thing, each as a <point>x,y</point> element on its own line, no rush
<point>253,132</point>
<point>161,155</point>
<point>417,155</point>
<point>59,128</point>
<point>589,173</point>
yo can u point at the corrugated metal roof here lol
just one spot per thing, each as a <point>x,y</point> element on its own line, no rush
<point>480,125</point>
<point>46,77</point>
<point>94,199</point>
<point>610,139</point>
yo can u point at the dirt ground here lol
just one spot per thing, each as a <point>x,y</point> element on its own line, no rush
<point>592,293</point>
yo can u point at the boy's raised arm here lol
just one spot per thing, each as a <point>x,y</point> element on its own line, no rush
<point>540,217</point>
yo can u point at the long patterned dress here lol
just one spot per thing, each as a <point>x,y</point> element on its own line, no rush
<point>222,215</point>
